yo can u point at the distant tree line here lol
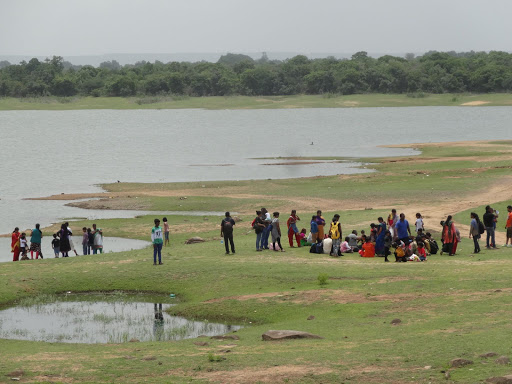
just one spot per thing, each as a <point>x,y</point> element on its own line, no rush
<point>236,74</point>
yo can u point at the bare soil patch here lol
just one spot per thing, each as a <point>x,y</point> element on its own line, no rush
<point>280,374</point>
<point>476,102</point>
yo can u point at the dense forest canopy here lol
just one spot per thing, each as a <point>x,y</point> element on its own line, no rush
<point>237,74</point>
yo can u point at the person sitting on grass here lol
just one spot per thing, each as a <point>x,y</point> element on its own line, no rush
<point>360,240</point>
<point>400,251</point>
<point>352,241</point>
<point>345,246</point>
<point>421,251</point>
<point>303,237</point>
<point>368,248</point>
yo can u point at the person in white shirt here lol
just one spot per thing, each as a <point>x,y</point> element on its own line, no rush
<point>419,223</point>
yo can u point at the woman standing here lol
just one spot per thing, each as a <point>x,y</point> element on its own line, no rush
<point>64,240</point>
<point>292,228</point>
<point>474,231</point>
<point>379,241</point>
<point>15,244</point>
<point>449,236</point>
<point>320,221</point>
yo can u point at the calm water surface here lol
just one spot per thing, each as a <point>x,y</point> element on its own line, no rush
<point>102,319</point>
<point>52,152</point>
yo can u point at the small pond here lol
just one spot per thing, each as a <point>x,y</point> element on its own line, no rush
<point>101,318</point>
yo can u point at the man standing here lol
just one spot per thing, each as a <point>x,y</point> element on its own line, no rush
<point>508,227</point>
<point>402,229</point>
<point>392,219</point>
<point>226,231</point>
<point>268,228</point>
<point>489,227</point>
<point>158,240</point>
<point>35,242</point>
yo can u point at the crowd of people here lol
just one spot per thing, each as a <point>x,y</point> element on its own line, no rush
<point>387,237</point>
<point>62,242</point>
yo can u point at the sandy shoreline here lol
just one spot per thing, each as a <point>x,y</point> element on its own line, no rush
<point>433,212</point>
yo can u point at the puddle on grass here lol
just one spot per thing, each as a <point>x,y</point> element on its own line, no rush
<point>101,318</point>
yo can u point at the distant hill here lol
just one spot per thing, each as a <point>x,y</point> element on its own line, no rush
<point>132,58</point>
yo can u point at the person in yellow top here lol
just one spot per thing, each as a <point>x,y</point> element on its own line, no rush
<point>335,234</point>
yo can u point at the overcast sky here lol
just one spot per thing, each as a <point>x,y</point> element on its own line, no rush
<point>90,27</point>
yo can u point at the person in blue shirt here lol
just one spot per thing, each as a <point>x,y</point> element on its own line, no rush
<point>402,229</point>
<point>314,230</point>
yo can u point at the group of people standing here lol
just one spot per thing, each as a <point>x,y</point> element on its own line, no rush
<point>394,232</point>
<point>62,242</point>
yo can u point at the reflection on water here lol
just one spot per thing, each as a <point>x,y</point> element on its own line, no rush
<point>105,321</point>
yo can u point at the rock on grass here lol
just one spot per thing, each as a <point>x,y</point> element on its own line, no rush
<point>500,379</point>
<point>456,363</point>
<point>288,335</point>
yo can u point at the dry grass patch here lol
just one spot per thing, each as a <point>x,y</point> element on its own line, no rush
<point>280,374</point>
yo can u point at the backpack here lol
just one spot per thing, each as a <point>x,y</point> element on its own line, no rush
<point>334,231</point>
<point>227,226</point>
<point>433,247</point>
<point>481,228</point>
<point>313,248</point>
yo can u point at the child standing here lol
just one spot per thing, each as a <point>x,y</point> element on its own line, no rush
<point>23,246</point>
<point>166,231</point>
<point>56,245</point>
<point>158,240</point>
<point>276,232</point>
<point>419,224</point>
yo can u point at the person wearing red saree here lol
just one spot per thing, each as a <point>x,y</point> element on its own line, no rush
<point>15,244</point>
<point>449,237</point>
<point>292,228</point>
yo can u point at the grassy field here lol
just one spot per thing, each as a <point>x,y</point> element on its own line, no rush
<point>246,102</point>
<point>449,307</point>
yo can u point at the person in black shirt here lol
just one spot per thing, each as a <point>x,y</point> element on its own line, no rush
<point>259,226</point>
<point>488,219</point>
<point>226,231</point>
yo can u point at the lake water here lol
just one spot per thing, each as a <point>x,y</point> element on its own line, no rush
<point>52,152</point>
<point>102,319</point>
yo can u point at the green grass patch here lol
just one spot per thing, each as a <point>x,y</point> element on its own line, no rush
<point>252,102</point>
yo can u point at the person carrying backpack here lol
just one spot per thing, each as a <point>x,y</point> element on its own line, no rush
<point>335,234</point>
<point>226,231</point>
